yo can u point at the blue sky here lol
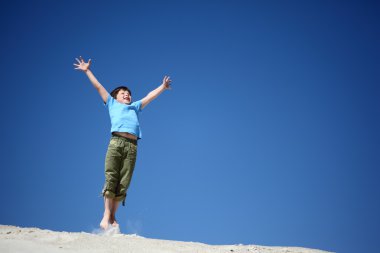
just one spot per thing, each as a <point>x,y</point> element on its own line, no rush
<point>269,135</point>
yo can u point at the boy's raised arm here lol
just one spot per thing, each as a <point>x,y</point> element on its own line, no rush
<point>156,92</point>
<point>85,67</point>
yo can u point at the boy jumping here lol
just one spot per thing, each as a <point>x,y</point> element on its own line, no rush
<point>122,149</point>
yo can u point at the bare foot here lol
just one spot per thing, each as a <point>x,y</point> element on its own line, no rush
<point>113,221</point>
<point>105,221</point>
<point>115,224</point>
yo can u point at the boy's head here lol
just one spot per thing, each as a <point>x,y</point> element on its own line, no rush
<point>122,94</point>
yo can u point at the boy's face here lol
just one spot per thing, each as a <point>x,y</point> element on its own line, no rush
<point>124,97</point>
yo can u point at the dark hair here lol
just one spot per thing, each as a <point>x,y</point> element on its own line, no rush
<point>116,90</point>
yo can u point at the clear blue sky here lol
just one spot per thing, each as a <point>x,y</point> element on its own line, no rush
<point>269,136</point>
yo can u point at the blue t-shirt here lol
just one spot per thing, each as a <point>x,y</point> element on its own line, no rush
<point>124,118</point>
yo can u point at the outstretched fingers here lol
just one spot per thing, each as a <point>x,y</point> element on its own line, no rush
<point>166,81</point>
<point>81,64</point>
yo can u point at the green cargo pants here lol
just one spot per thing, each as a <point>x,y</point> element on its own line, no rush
<point>119,167</point>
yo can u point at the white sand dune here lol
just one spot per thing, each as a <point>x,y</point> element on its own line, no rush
<point>19,240</point>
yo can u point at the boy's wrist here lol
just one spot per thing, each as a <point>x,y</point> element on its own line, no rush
<point>166,86</point>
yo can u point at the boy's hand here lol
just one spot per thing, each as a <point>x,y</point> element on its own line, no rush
<point>166,83</point>
<point>82,65</point>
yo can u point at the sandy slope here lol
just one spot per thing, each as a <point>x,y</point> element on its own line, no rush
<point>16,239</point>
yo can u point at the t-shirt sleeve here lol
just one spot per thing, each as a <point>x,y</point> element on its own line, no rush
<point>109,101</point>
<point>138,105</point>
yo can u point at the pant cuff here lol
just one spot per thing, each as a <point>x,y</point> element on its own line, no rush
<point>108,194</point>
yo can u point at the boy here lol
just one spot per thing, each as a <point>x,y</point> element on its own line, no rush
<point>122,149</point>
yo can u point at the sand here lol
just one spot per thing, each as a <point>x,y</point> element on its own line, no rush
<point>19,240</point>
